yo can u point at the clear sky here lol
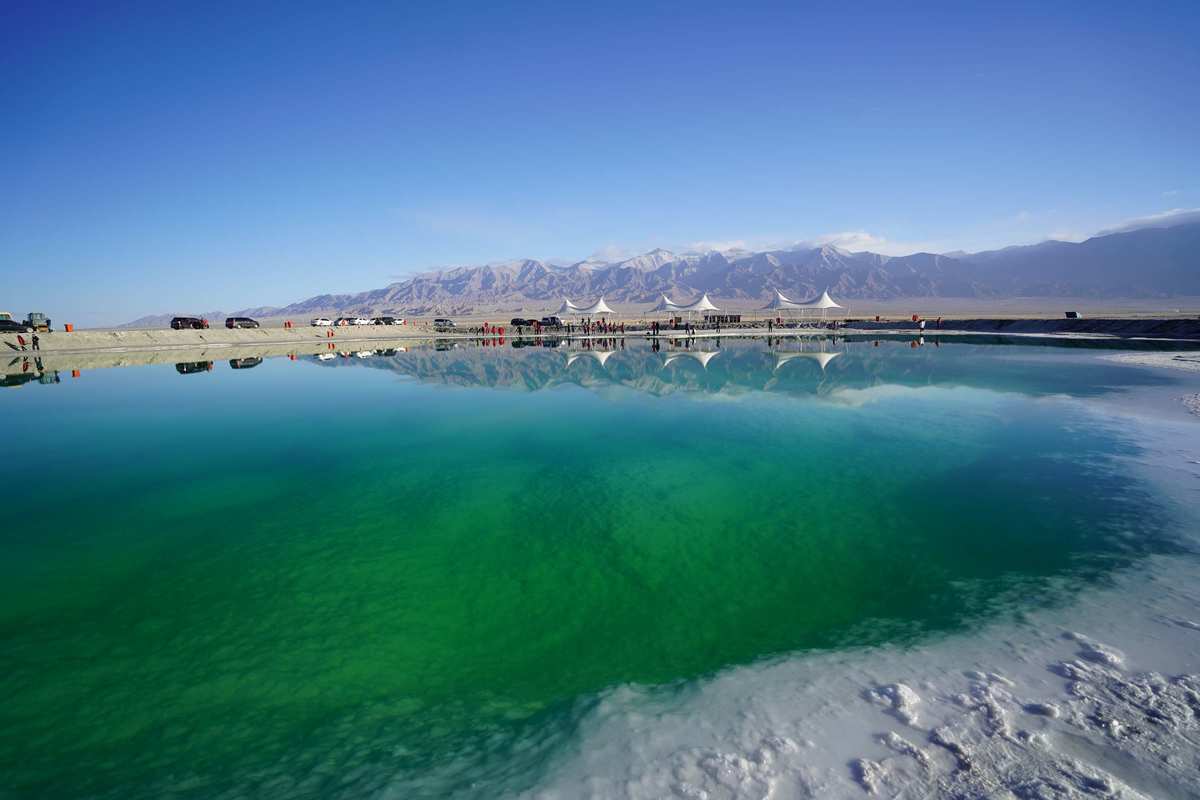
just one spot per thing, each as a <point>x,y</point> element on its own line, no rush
<point>170,157</point>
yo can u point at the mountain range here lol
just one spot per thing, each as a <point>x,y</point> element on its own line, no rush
<point>1142,263</point>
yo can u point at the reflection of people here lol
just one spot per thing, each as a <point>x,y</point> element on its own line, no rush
<point>21,341</point>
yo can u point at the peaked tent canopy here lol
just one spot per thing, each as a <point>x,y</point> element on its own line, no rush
<point>781,303</point>
<point>566,309</point>
<point>703,304</point>
<point>822,302</point>
<point>665,304</point>
<point>569,309</point>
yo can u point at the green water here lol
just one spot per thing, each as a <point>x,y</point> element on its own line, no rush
<point>411,573</point>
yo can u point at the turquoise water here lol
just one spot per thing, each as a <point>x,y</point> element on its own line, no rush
<point>412,572</point>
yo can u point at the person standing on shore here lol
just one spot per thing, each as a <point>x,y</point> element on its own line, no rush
<point>36,342</point>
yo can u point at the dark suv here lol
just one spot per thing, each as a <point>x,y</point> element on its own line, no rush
<point>189,323</point>
<point>240,322</point>
<point>12,326</point>
<point>193,367</point>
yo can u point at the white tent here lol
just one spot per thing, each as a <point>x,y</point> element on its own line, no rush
<point>665,304</point>
<point>823,302</point>
<point>781,303</point>
<point>703,304</point>
<point>569,309</point>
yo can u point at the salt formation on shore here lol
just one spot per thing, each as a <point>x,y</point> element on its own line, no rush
<point>1057,714</point>
<point>1188,361</point>
<point>1192,403</point>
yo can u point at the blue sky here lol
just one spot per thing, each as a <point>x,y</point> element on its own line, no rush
<point>166,157</point>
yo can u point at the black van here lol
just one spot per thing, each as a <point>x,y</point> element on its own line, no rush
<point>189,323</point>
<point>240,322</point>
<point>244,363</point>
<point>192,367</point>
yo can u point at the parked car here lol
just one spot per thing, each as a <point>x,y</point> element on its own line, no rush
<point>192,367</point>
<point>343,322</point>
<point>244,363</point>
<point>38,322</point>
<point>12,326</point>
<point>386,321</point>
<point>240,322</point>
<point>551,322</point>
<point>521,322</point>
<point>189,323</point>
<point>443,324</point>
<point>360,321</point>
<point>321,322</point>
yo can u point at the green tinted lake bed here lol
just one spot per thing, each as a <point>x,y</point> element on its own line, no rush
<point>414,571</point>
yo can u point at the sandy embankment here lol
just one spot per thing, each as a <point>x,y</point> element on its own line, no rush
<point>95,349</point>
<point>122,340</point>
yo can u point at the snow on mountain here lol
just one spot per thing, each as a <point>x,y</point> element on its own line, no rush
<point>1147,262</point>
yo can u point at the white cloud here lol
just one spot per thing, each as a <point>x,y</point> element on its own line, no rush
<point>857,241</point>
<point>612,252</point>
<point>1067,235</point>
<point>719,245</point>
<point>1163,219</point>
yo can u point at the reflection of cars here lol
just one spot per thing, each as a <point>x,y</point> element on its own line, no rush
<point>321,322</point>
<point>364,353</point>
<point>443,324</point>
<point>18,379</point>
<point>192,367</point>
<point>244,363</point>
<point>326,356</point>
<point>12,326</point>
<point>240,322</point>
<point>189,323</point>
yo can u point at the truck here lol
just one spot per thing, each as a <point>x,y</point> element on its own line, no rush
<point>38,321</point>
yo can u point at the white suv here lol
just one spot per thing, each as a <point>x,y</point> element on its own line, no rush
<point>320,322</point>
<point>361,321</point>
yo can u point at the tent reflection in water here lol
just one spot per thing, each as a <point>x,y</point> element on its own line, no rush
<point>599,356</point>
<point>701,356</point>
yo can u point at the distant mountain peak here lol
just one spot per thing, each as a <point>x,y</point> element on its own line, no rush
<point>1147,262</point>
